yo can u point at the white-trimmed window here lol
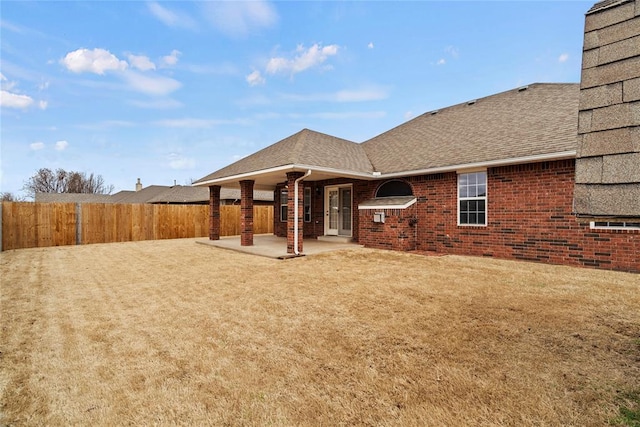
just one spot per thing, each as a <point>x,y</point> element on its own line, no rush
<point>284,205</point>
<point>472,198</point>
<point>614,225</point>
<point>307,204</point>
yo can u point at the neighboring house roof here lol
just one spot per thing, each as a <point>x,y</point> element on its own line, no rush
<point>115,198</point>
<point>144,195</point>
<point>536,120</point>
<point>152,194</point>
<point>187,194</point>
<point>532,123</point>
<point>72,198</point>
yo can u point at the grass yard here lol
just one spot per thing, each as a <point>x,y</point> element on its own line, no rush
<point>171,332</point>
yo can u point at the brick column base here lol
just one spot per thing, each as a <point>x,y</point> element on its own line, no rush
<point>291,178</point>
<point>214,212</point>
<point>246,213</point>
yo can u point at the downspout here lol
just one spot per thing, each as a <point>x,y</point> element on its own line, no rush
<point>295,211</point>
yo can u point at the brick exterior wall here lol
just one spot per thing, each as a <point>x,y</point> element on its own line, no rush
<point>246,213</point>
<point>214,212</point>
<point>529,209</point>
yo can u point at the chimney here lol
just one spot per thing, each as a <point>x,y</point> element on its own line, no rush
<point>138,185</point>
<point>608,157</point>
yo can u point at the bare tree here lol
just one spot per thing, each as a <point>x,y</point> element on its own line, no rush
<point>60,181</point>
<point>9,197</point>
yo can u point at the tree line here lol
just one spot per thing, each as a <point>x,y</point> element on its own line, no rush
<point>46,180</point>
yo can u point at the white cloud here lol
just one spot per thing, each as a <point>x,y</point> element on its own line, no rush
<point>171,18</point>
<point>441,61</point>
<point>255,79</point>
<point>171,59</point>
<point>61,145</point>
<point>563,58</point>
<point>43,105</point>
<point>13,100</point>
<point>93,61</point>
<point>305,59</point>
<point>370,45</point>
<point>151,85</point>
<point>408,115</point>
<point>141,62</point>
<point>35,146</point>
<point>240,18</point>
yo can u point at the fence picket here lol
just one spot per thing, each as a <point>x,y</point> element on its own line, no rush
<point>28,225</point>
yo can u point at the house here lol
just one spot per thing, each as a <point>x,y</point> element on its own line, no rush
<point>493,177</point>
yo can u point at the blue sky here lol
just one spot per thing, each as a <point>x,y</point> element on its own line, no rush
<point>172,91</point>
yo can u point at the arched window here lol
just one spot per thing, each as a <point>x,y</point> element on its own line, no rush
<point>394,188</point>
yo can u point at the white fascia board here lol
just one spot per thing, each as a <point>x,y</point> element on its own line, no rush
<point>563,155</point>
<point>379,207</point>
<point>285,168</point>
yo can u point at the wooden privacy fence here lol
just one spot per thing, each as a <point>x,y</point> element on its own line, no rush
<point>29,225</point>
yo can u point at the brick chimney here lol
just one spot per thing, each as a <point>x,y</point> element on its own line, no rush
<point>608,157</point>
<point>138,185</point>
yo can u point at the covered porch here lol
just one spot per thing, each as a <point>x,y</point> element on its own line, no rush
<point>270,246</point>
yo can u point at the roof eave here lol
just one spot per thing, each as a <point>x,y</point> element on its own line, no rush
<point>232,179</point>
<point>562,155</point>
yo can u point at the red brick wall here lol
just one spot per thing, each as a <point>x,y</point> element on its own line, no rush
<point>529,218</point>
<point>398,232</point>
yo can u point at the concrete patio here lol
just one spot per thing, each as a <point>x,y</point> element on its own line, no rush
<point>271,246</point>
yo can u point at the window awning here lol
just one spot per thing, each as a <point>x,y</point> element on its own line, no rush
<point>401,202</point>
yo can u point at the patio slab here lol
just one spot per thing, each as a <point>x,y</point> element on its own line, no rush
<point>271,246</point>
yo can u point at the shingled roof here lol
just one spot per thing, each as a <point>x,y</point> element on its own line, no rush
<point>538,119</point>
<point>306,147</point>
<point>530,123</point>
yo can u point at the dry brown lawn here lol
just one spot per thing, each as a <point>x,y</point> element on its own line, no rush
<point>171,332</point>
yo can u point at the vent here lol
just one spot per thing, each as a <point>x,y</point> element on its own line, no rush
<point>433,113</point>
<point>523,88</point>
<point>473,101</point>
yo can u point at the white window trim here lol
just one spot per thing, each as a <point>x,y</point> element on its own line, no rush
<point>285,204</point>
<point>593,225</point>
<point>307,191</point>
<point>485,198</point>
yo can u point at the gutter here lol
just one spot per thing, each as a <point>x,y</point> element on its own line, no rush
<point>295,212</point>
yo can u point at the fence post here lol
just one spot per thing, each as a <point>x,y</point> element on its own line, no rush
<point>78,224</point>
<point>1,204</point>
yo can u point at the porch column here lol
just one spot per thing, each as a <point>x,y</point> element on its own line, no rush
<point>246,213</point>
<point>291,178</point>
<point>214,212</point>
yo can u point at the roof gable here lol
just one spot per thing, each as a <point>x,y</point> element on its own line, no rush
<point>306,147</point>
